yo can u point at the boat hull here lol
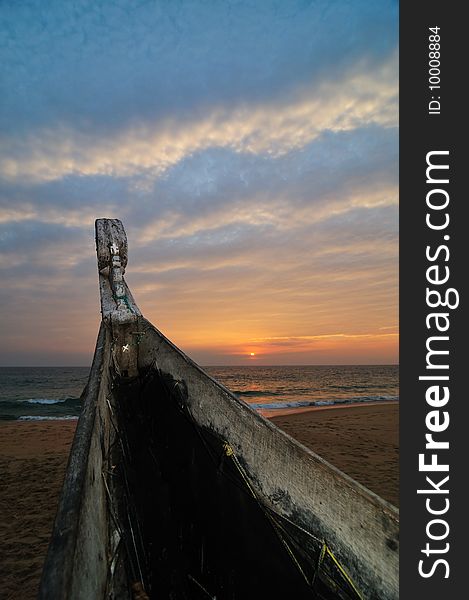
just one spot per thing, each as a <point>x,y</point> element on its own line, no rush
<point>219,488</point>
<point>175,488</point>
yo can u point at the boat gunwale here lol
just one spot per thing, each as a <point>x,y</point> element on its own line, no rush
<point>305,468</point>
<point>116,331</point>
<point>57,573</point>
<point>353,483</point>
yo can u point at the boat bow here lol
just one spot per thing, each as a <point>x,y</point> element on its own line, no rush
<point>176,486</point>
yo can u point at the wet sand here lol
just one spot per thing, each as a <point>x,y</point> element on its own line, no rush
<point>361,441</point>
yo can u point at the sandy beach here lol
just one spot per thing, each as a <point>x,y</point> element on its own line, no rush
<point>33,457</point>
<point>361,440</point>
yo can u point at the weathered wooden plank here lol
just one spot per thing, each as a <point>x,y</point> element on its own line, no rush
<point>361,528</point>
<point>71,559</point>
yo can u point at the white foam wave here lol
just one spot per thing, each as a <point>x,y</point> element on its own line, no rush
<point>44,401</point>
<point>41,418</point>
<point>325,402</point>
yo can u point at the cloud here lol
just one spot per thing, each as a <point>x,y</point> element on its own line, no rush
<point>152,148</point>
<point>104,63</point>
<point>250,150</point>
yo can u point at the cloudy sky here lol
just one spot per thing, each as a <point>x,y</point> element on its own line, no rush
<point>250,149</point>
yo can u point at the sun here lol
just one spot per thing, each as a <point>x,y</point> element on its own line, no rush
<point>252,354</point>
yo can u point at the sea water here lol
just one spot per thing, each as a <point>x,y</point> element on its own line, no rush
<point>32,393</point>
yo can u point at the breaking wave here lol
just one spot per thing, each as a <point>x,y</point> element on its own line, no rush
<point>39,408</point>
<point>322,402</point>
<point>43,418</point>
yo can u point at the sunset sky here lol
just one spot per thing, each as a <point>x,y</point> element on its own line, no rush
<point>250,149</point>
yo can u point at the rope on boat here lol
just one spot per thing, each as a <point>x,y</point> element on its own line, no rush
<point>319,564</point>
<point>138,590</point>
<point>343,571</point>
<point>269,513</point>
<point>277,527</point>
<point>230,452</point>
<point>199,585</point>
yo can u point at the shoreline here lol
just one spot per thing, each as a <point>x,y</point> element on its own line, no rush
<point>266,413</point>
<point>273,413</point>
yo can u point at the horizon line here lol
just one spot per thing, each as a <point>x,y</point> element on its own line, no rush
<point>214,365</point>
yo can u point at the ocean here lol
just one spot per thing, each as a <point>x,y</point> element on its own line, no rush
<point>41,393</point>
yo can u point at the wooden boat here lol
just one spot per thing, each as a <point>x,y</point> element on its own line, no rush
<point>177,489</point>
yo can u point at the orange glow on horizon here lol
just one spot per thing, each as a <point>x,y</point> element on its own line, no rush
<point>264,329</point>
